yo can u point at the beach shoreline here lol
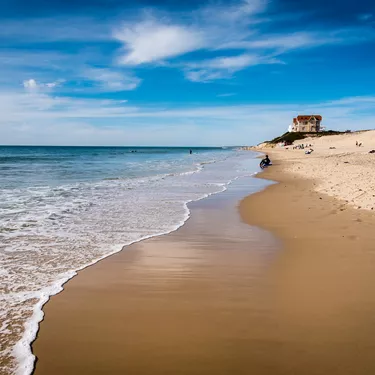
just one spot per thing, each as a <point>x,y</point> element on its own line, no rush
<point>90,218</point>
<point>300,304</point>
<point>187,258</point>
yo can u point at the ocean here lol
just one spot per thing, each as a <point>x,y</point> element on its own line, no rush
<point>64,208</point>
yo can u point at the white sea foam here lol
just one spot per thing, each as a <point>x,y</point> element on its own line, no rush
<point>49,233</point>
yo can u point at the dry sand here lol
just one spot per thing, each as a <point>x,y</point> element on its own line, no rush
<point>346,172</point>
<point>222,297</point>
<point>325,277</point>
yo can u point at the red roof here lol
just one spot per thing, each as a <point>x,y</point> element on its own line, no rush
<point>306,118</point>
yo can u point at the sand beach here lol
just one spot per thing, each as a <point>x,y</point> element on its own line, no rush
<point>279,282</point>
<point>174,304</point>
<point>337,166</point>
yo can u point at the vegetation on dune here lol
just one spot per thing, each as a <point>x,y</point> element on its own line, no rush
<point>289,138</point>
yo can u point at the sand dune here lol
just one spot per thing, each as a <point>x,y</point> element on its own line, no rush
<point>338,167</point>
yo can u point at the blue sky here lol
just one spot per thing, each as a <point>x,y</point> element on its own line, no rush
<point>111,72</point>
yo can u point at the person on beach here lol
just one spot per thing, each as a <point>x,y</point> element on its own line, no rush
<point>190,152</point>
<point>266,161</point>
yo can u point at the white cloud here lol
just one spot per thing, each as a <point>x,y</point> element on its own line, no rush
<point>150,41</point>
<point>239,13</point>
<point>281,43</point>
<point>224,67</point>
<point>285,42</point>
<point>223,27</point>
<point>32,85</point>
<point>353,100</point>
<point>232,62</point>
<point>206,75</point>
<point>267,50</point>
<point>51,84</point>
<point>157,37</point>
<point>112,80</point>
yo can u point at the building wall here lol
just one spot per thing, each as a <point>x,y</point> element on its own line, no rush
<point>306,127</point>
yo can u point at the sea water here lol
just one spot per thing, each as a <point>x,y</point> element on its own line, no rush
<point>64,208</point>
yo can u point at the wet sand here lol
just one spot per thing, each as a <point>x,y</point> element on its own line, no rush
<point>219,296</point>
<point>184,303</point>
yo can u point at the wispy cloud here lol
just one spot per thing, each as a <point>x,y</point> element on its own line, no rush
<point>209,43</point>
<point>219,29</point>
<point>224,67</point>
<point>150,41</point>
<point>157,37</point>
<point>32,85</point>
<point>112,80</point>
<point>351,101</point>
<point>47,66</point>
<point>284,42</point>
<point>232,62</point>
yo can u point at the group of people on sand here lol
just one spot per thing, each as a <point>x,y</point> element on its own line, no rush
<point>301,147</point>
<point>307,147</point>
<point>358,144</point>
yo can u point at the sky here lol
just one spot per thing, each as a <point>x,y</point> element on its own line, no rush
<point>183,73</point>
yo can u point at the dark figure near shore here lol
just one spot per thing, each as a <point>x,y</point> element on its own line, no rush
<point>266,161</point>
<point>190,152</point>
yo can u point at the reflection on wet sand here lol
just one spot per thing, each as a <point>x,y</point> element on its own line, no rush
<point>190,302</point>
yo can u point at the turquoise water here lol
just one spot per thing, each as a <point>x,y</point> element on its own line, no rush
<point>64,208</point>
